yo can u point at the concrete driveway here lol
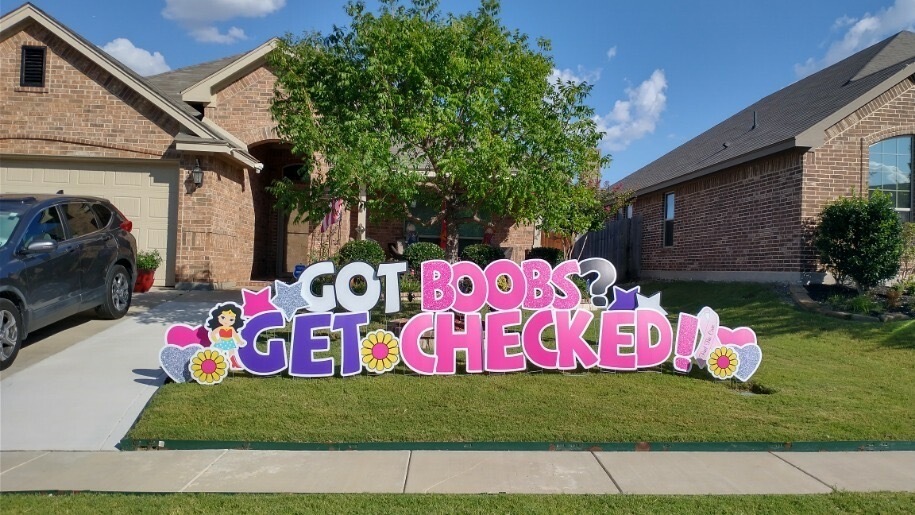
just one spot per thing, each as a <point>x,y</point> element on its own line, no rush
<point>81,384</point>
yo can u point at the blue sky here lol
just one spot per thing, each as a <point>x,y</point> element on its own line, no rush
<point>663,71</point>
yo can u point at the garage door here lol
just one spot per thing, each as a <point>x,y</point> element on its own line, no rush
<point>147,194</point>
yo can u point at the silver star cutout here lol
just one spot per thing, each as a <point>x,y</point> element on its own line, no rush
<point>653,303</point>
<point>288,298</point>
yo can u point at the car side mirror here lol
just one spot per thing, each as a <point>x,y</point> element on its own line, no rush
<point>37,247</point>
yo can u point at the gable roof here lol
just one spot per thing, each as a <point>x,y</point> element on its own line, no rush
<point>794,117</point>
<point>178,110</point>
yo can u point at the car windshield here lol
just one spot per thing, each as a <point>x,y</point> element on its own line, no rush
<point>10,214</point>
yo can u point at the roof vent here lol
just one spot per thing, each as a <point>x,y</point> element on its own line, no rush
<point>726,144</point>
<point>754,121</point>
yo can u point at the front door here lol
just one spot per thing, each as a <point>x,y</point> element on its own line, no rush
<point>296,247</point>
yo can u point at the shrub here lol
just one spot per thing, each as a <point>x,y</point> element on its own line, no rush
<point>416,253</point>
<point>368,251</point>
<point>582,285</point>
<point>907,261</point>
<point>860,239</point>
<point>549,254</point>
<point>481,254</point>
<point>148,260</point>
<point>863,304</point>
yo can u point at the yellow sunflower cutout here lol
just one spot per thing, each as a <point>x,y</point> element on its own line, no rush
<point>208,366</point>
<point>380,351</point>
<point>722,362</point>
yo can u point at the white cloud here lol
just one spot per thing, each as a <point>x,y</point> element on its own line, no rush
<point>861,33</point>
<point>199,17</point>
<point>212,35</point>
<point>632,119</point>
<point>138,59</point>
<point>582,75</point>
<point>611,52</point>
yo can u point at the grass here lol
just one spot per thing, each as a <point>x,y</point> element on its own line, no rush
<point>828,380</point>
<point>404,503</point>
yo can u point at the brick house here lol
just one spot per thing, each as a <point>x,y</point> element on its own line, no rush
<point>75,119</point>
<point>738,202</point>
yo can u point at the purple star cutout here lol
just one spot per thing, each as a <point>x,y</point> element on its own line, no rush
<point>624,300</point>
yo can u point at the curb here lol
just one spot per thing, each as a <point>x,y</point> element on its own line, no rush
<point>128,444</point>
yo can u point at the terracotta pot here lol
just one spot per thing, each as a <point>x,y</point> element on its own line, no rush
<point>144,281</point>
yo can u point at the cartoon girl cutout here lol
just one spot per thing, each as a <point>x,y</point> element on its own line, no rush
<point>224,323</point>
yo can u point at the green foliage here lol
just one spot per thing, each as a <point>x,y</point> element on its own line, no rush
<point>481,254</point>
<point>409,282</point>
<point>582,285</point>
<point>907,260</point>
<point>368,251</point>
<point>148,259</point>
<point>860,239</point>
<point>393,95</point>
<point>551,255</point>
<point>416,253</point>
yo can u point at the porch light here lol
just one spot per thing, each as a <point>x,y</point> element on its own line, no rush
<point>196,174</point>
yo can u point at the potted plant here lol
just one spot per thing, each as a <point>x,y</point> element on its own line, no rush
<point>147,263</point>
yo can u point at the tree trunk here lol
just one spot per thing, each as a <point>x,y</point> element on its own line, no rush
<point>451,241</point>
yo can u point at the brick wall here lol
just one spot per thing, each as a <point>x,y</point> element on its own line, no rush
<point>82,110</point>
<point>744,218</point>
<point>758,217</point>
<point>243,107</point>
<point>215,225</point>
<point>840,165</point>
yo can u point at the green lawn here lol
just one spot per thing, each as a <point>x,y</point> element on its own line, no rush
<point>827,379</point>
<point>369,503</point>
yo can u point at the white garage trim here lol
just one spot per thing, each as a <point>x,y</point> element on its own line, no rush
<point>146,191</point>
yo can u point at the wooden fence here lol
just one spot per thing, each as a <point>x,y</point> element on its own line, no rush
<point>618,242</point>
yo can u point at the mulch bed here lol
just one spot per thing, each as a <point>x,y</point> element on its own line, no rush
<point>822,293</point>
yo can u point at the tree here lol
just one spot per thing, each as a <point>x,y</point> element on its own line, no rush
<point>453,111</point>
<point>860,239</point>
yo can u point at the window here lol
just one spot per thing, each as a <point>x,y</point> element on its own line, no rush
<point>103,214</point>
<point>668,219</point>
<point>891,172</point>
<point>47,226</point>
<point>32,67</point>
<point>81,219</point>
<point>297,173</point>
<point>468,234</point>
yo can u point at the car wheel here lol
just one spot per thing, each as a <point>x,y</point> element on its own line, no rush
<point>10,334</point>
<point>118,291</point>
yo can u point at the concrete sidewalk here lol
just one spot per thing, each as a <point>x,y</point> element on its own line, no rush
<point>87,396</point>
<point>459,472</point>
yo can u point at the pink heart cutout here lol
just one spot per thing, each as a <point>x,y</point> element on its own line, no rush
<point>736,337</point>
<point>182,335</point>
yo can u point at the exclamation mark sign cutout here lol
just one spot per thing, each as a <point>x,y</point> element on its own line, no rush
<point>687,331</point>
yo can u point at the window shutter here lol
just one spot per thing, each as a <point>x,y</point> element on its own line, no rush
<point>32,74</point>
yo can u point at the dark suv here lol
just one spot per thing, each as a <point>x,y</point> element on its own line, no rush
<point>60,255</point>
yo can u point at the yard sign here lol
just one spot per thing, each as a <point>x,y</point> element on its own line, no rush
<point>634,330</point>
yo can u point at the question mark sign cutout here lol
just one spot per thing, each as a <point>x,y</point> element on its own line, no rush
<point>606,277</point>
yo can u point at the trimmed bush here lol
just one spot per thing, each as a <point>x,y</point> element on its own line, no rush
<point>416,253</point>
<point>551,255</point>
<point>481,254</point>
<point>860,239</point>
<point>907,262</point>
<point>368,251</point>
